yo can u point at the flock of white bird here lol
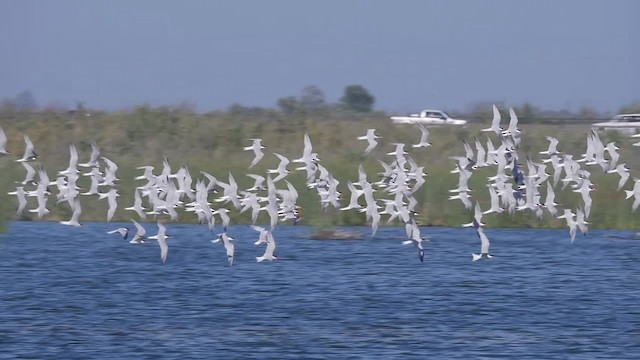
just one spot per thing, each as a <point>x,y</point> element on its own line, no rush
<point>400,179</point>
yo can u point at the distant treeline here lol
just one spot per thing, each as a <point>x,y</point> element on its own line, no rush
<point>213,142</point>
<point>355,102</point>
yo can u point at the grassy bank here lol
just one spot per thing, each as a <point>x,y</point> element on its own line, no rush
<point>213,143</point>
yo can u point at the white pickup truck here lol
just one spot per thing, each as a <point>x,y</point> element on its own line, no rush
<point>428,117</point>
<point>623,123</point>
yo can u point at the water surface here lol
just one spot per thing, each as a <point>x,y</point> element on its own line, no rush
<point>79,293</point>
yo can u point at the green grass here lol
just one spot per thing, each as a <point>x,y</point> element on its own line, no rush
<point>213,143</point>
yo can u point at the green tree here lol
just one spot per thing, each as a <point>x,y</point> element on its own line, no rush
<point>527,113</point>
<point>633,108</point>
<point>312,98</point>
<point>483,111</point>
<point>25,101</point>
<point>588,113</point>
<point>357,98</point>
<point>288,105</point>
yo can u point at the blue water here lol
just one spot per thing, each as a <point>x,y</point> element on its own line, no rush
<point>79,293</point>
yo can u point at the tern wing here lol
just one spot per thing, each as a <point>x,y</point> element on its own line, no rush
<point>164,249</point>
<point>484,241</point>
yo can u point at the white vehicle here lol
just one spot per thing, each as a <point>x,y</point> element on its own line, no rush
<point>428,117</point>
<point>626,123</point>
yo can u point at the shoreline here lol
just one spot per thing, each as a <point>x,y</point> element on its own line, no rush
<point>319,227</point>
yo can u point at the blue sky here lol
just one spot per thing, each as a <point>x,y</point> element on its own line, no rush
<point>410,54</point>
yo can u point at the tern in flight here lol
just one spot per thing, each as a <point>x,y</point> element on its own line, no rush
<point>569,216</point>
<point>623,171</point>
<point>162,237</point>
<point>416,239</point>
<point>553,144</point>
<point>22,199</point>
<point>512,130</point>
<point>264,234</point>
<point>30,176</point>
<point>371,140</point>
<point>268,252</point>
<point>94,157</point>
<point>484,246</point>
<point>138,238</point>
<point>77,210</point>
<point>258,184</point>
<point>228,245</point>
<point>495,123</point>
<point>424,137</point>
<point>495,201</point>
<point>29,151</point>
<point>73,162</point>
<point>3,143</point>
<point>256,147</point>
<point>137,205</point>
<point>224,216</point>
<point>111,196</point>
<point>281,170</point>
<point>477,218</point>
<point>123,231</point>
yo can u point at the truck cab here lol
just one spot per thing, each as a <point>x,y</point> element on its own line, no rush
<point>428,117</point>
